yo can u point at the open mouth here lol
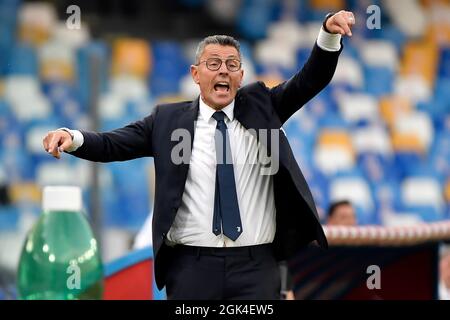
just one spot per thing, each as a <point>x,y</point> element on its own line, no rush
<point>222,87</point>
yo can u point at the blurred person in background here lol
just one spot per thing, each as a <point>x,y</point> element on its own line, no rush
<point>341,213</point>
<point>444,274</point>
<point>219,229</point>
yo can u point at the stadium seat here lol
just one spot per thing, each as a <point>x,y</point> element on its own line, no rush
<point>355,189</point>
<point>92,56</point>
<point>447,192</point>
<point>413,87</point>
<point>34,136</point>
<point>438,30</point>
<point>9,218</point>
<point>61,173</point>
<point>273,52</point>
<point>402,12</point>
<point>36,20</point>
<point>379,54</point>
<point>416,124</point>
<point>372,139</point>
<point>334,152</point>
<point>349,71</point>
<point>407,143</point>
<point>379,80</point>
<point>254,18</point>
<point>420,59</point>
<point>25,193</point>
<point>327,4</point>
<point>356,107</point>
<point>131,57</point>
<point>170,65</point>
<point>287,32</point>
<point>129,88</point>
<point>440,153</point>
<point>422,191</point>
<point>392,107</point>
<point>56,61</point>
<point>23,61</point>
<point>25,98</point>
<point>67,37</point>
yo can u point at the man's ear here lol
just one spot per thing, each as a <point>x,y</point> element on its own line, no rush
<point>194,74</point>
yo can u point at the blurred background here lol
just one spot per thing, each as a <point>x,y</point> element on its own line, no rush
<point>378,135</point>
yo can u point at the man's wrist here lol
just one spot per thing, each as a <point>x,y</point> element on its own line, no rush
<point>329,41</point>
<point>324,24</point>
<point>77,139</point>
<point>68,131</point>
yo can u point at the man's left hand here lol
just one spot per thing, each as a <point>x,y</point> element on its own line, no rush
<point>341,23</point>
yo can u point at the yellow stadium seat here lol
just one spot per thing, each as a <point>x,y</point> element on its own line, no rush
<point>36,22</point>
<point>57,70</point>
<point>270,80</point>
<point>447,191</point>
<point>429,3</point>
<point>172,99</point>
<point>420,58</point>
<point>393,106</point>
<point>28,192</point>
<point>328,4</point>
<point>334,151</point>
<point>438,33</point>
<point>131,57</point>
<point>407,142</point>
<point>336,138</point>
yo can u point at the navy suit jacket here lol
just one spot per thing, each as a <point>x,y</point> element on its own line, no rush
<point>256,107</point>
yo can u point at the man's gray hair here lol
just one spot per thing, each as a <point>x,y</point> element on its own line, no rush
<point>216,39</point>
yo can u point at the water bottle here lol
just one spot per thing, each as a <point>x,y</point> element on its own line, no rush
<point>60,259</point>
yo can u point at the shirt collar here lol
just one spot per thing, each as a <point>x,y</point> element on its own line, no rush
<point>207,112</point>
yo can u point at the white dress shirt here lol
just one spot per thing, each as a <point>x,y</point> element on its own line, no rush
<point>193,221</point>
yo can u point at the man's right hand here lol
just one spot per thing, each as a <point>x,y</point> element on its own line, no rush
<point>56,142</point>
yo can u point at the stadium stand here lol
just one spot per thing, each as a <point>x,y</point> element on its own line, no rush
<point>378,135</point>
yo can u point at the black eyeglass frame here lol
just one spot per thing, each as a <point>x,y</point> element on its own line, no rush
<point>220,64</point>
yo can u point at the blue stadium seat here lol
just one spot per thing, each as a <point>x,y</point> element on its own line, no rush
<point>378,81</point>
<point>426,213</point>
<point>131,189</point>
<point>9,217</point>
<point>403,160</point>
<point>424,170</point>
<point>23,61</point>
<point>376,167</point>
<point>437,107</point>
<point>254,18</point>
<point>439,157</point>
<point>8,18</point>
<point>169,66</point>
<point>333,121</point>
<point>102,53</point>
<point>444,63</point>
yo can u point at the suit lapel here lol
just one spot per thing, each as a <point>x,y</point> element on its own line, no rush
<point>251,118</point>
<point>186,120</point>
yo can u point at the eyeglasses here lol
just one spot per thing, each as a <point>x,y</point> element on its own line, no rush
<point>214,64</point>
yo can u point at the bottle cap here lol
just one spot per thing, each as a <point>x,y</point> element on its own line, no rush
<point>62,198</point>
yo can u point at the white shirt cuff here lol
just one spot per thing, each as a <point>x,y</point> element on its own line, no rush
<point>328,41</point>
<point>77,142</point>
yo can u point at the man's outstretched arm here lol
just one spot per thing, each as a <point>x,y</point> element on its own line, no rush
<point>291,95</point>
<point>130,142</point>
